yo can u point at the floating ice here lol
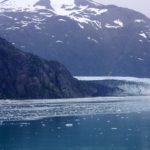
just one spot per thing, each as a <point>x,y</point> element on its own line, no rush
<point>69,125</point>
<point>17,110</point>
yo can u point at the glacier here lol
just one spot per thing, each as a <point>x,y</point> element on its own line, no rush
<point>130,85</point>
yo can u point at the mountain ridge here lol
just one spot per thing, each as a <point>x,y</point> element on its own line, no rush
<point>26,76</point>
<point>89,39</point>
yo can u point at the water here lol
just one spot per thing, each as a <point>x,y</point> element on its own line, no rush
<point>105,124</point>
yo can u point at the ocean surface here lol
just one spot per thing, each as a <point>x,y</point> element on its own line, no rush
<point>110,123</point>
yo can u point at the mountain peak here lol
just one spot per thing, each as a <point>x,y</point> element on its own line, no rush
<point>65,7</point>
<point>58,6</point>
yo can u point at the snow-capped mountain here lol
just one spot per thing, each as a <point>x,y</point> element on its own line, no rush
<point>88,37</point>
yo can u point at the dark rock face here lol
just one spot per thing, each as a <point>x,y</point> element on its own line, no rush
<point>25,76</point>
<point>93,40</point>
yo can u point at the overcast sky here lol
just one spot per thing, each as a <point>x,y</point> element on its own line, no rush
<point>139,5</point>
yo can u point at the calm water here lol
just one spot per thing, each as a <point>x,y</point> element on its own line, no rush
<point>110,128</point>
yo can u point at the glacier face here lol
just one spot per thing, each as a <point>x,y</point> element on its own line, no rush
<point>130,85</point>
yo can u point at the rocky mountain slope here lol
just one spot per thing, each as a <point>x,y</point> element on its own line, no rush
<point>87,37</point>
<point>25,76</point>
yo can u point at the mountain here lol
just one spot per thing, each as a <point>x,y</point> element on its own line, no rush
<point>26,76</point>
<point>87,37</point>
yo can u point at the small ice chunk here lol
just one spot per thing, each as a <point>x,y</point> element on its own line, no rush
<point>114,128</point>
<point>69,125</point>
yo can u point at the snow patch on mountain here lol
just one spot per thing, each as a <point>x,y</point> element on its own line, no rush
<point>94,2</point>
<point>62,20</point>
<point>59,6</point>
<point>139,21</point>
<point>92,39</point>
<point>141,41</point>
<point>116,24</point>
<point>17,5</point>
<point>31,5</point>
<point>141,59</point>
<point>82,14</point>
<point>12,28</point>
<point>143,35</point>
<point>111,26</point>
<point>80,19</point>
<point>59,41</point>
<point>119,22</point>
<point>81,26</point>
<point>97,11</point>
<point>37,27</point>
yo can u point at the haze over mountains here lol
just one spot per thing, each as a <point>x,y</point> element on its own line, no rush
<point>87,37</point>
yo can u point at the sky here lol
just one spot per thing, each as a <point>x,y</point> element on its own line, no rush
<point>138,5</point>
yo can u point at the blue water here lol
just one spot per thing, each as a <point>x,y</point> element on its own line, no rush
<point>98,132</point>
<point>116,131</point>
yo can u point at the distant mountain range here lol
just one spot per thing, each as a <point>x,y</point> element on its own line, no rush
<point>87,37</point>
